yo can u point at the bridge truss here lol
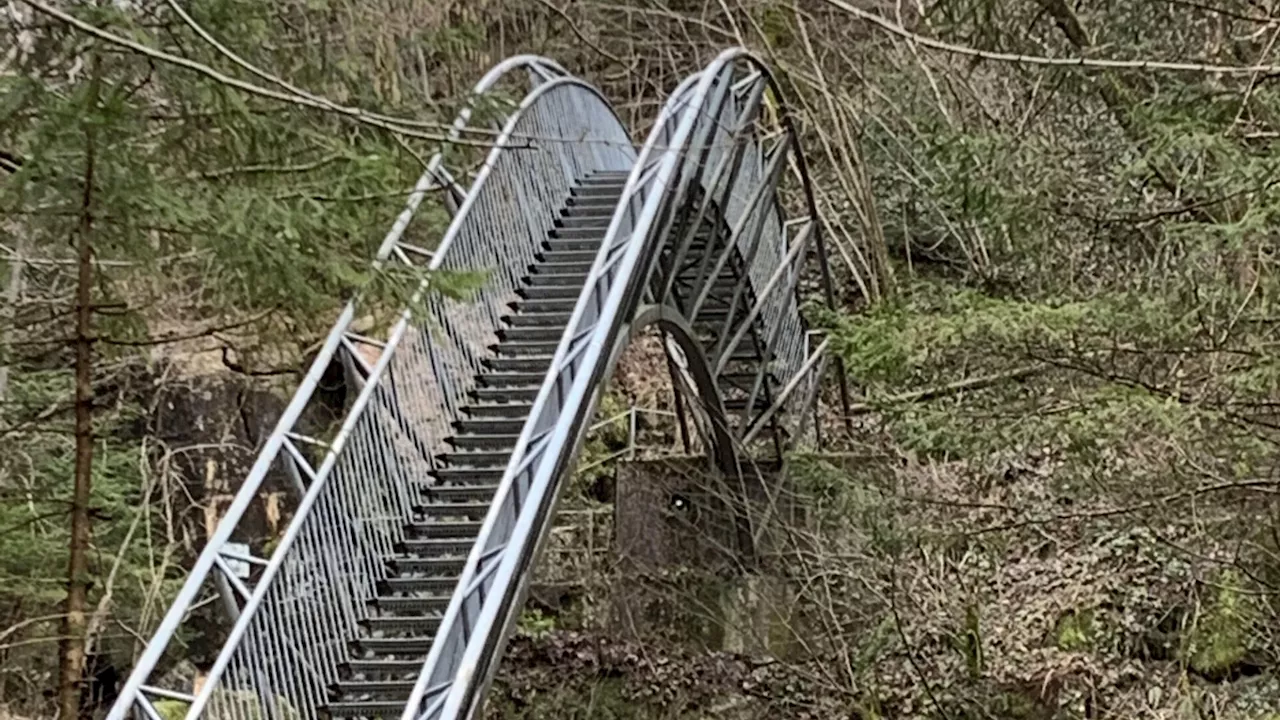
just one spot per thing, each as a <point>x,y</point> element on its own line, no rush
<point>418,523</point>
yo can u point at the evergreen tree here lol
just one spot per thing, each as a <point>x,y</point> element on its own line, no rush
<point>131,179</point>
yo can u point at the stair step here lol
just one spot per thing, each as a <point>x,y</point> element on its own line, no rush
<point>495,440</point>
<point>490,426</point>
<point>505,394</point>
<point>738,403</point>
<point>365,709</point>
<point>601,190</point>
<point>552,292</point>
<point>363,688</point>
<point>435,585</point>
<point>718,314</point>
<point>511,379</point>
<point>406,564</point>
<point>698,245</point>
<point>402,668</point>
<point>602,211</point>
<point>723,281</point>
<point>561,306</point>
<point>575,267</point>
<point>434,547</point>
<point>524,348</point>
<point>604,178</point>
<point>558,244</point>
<point>578,201</point>
<point>477,458</point>
<point>746,379</point>
<point>530,363</point>
<point>471,510</point>
<point>595,234</point>
<point>499,411</point>
<point>466,477</point>
<point>445,529</point>
<point>459,493</point>
<point>573,281</point>
<point>568,256</point>
<point>747,353</point>
<point>598,221</point>
<point>526,319</point>
<point>392,646</point>
<point>415,625</point>
<point>420,605</point>
<point>539,333</point>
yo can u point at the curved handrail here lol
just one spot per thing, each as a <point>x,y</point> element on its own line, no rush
<point>486,238</point>
<point>216,559</point>
<point>444,666</point>
<point>482,608</point>
<point>297,608</point>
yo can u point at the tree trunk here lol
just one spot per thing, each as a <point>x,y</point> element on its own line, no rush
<point>8,308</point>
<point>72,645</point>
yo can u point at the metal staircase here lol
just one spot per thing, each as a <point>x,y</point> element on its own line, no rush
<point>426,567</point>
<point>418,523</point>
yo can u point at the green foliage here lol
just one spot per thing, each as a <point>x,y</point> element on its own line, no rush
<point>1075,630</point>
<point>605,444</point>
<point>204,206</point>
<point>171,709</point>
<point>533,623</point>
<point>776,25</point>
<point>34,534</point>
<point>893,342</point>
<point>277,208</point>
<point>1223,633</point>
<point>968,641</point>
<point>841,500</point>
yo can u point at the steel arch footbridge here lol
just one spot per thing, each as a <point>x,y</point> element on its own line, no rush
<point>418,522</point>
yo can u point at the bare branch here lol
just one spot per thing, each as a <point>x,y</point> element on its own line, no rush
<point>1164,65</point>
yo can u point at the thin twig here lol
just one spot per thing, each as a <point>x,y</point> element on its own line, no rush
<point>1019,58</point>
<point>952,388</point>
<point>1138,507</point>
<point>357,114</point>
<point>276,80</point>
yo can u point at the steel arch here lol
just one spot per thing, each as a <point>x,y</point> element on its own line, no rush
<point>700,226</point>
<point>485,603</point>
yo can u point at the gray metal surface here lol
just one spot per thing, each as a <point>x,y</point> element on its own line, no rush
<point>417,524</point>
<point>708,151</point>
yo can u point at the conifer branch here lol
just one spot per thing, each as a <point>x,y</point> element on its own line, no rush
<point>9,163</point>
<point>264,169</point>
<point>398,127</point>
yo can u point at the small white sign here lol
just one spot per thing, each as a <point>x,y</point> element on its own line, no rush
<point>239,567</point>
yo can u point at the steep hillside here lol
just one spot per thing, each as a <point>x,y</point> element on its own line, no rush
<point>1053,226</point>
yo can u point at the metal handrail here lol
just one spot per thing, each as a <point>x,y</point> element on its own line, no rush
<point>284,445</point>
<point>294,612</point>
<point>483,606</point>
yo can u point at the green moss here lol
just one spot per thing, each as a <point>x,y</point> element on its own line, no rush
<point>1219,639</point>
<point>171,709</point>
<point>1076,630</point>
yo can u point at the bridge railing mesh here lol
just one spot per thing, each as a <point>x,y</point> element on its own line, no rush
<point>478,620</point>
<point>293,613</point>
